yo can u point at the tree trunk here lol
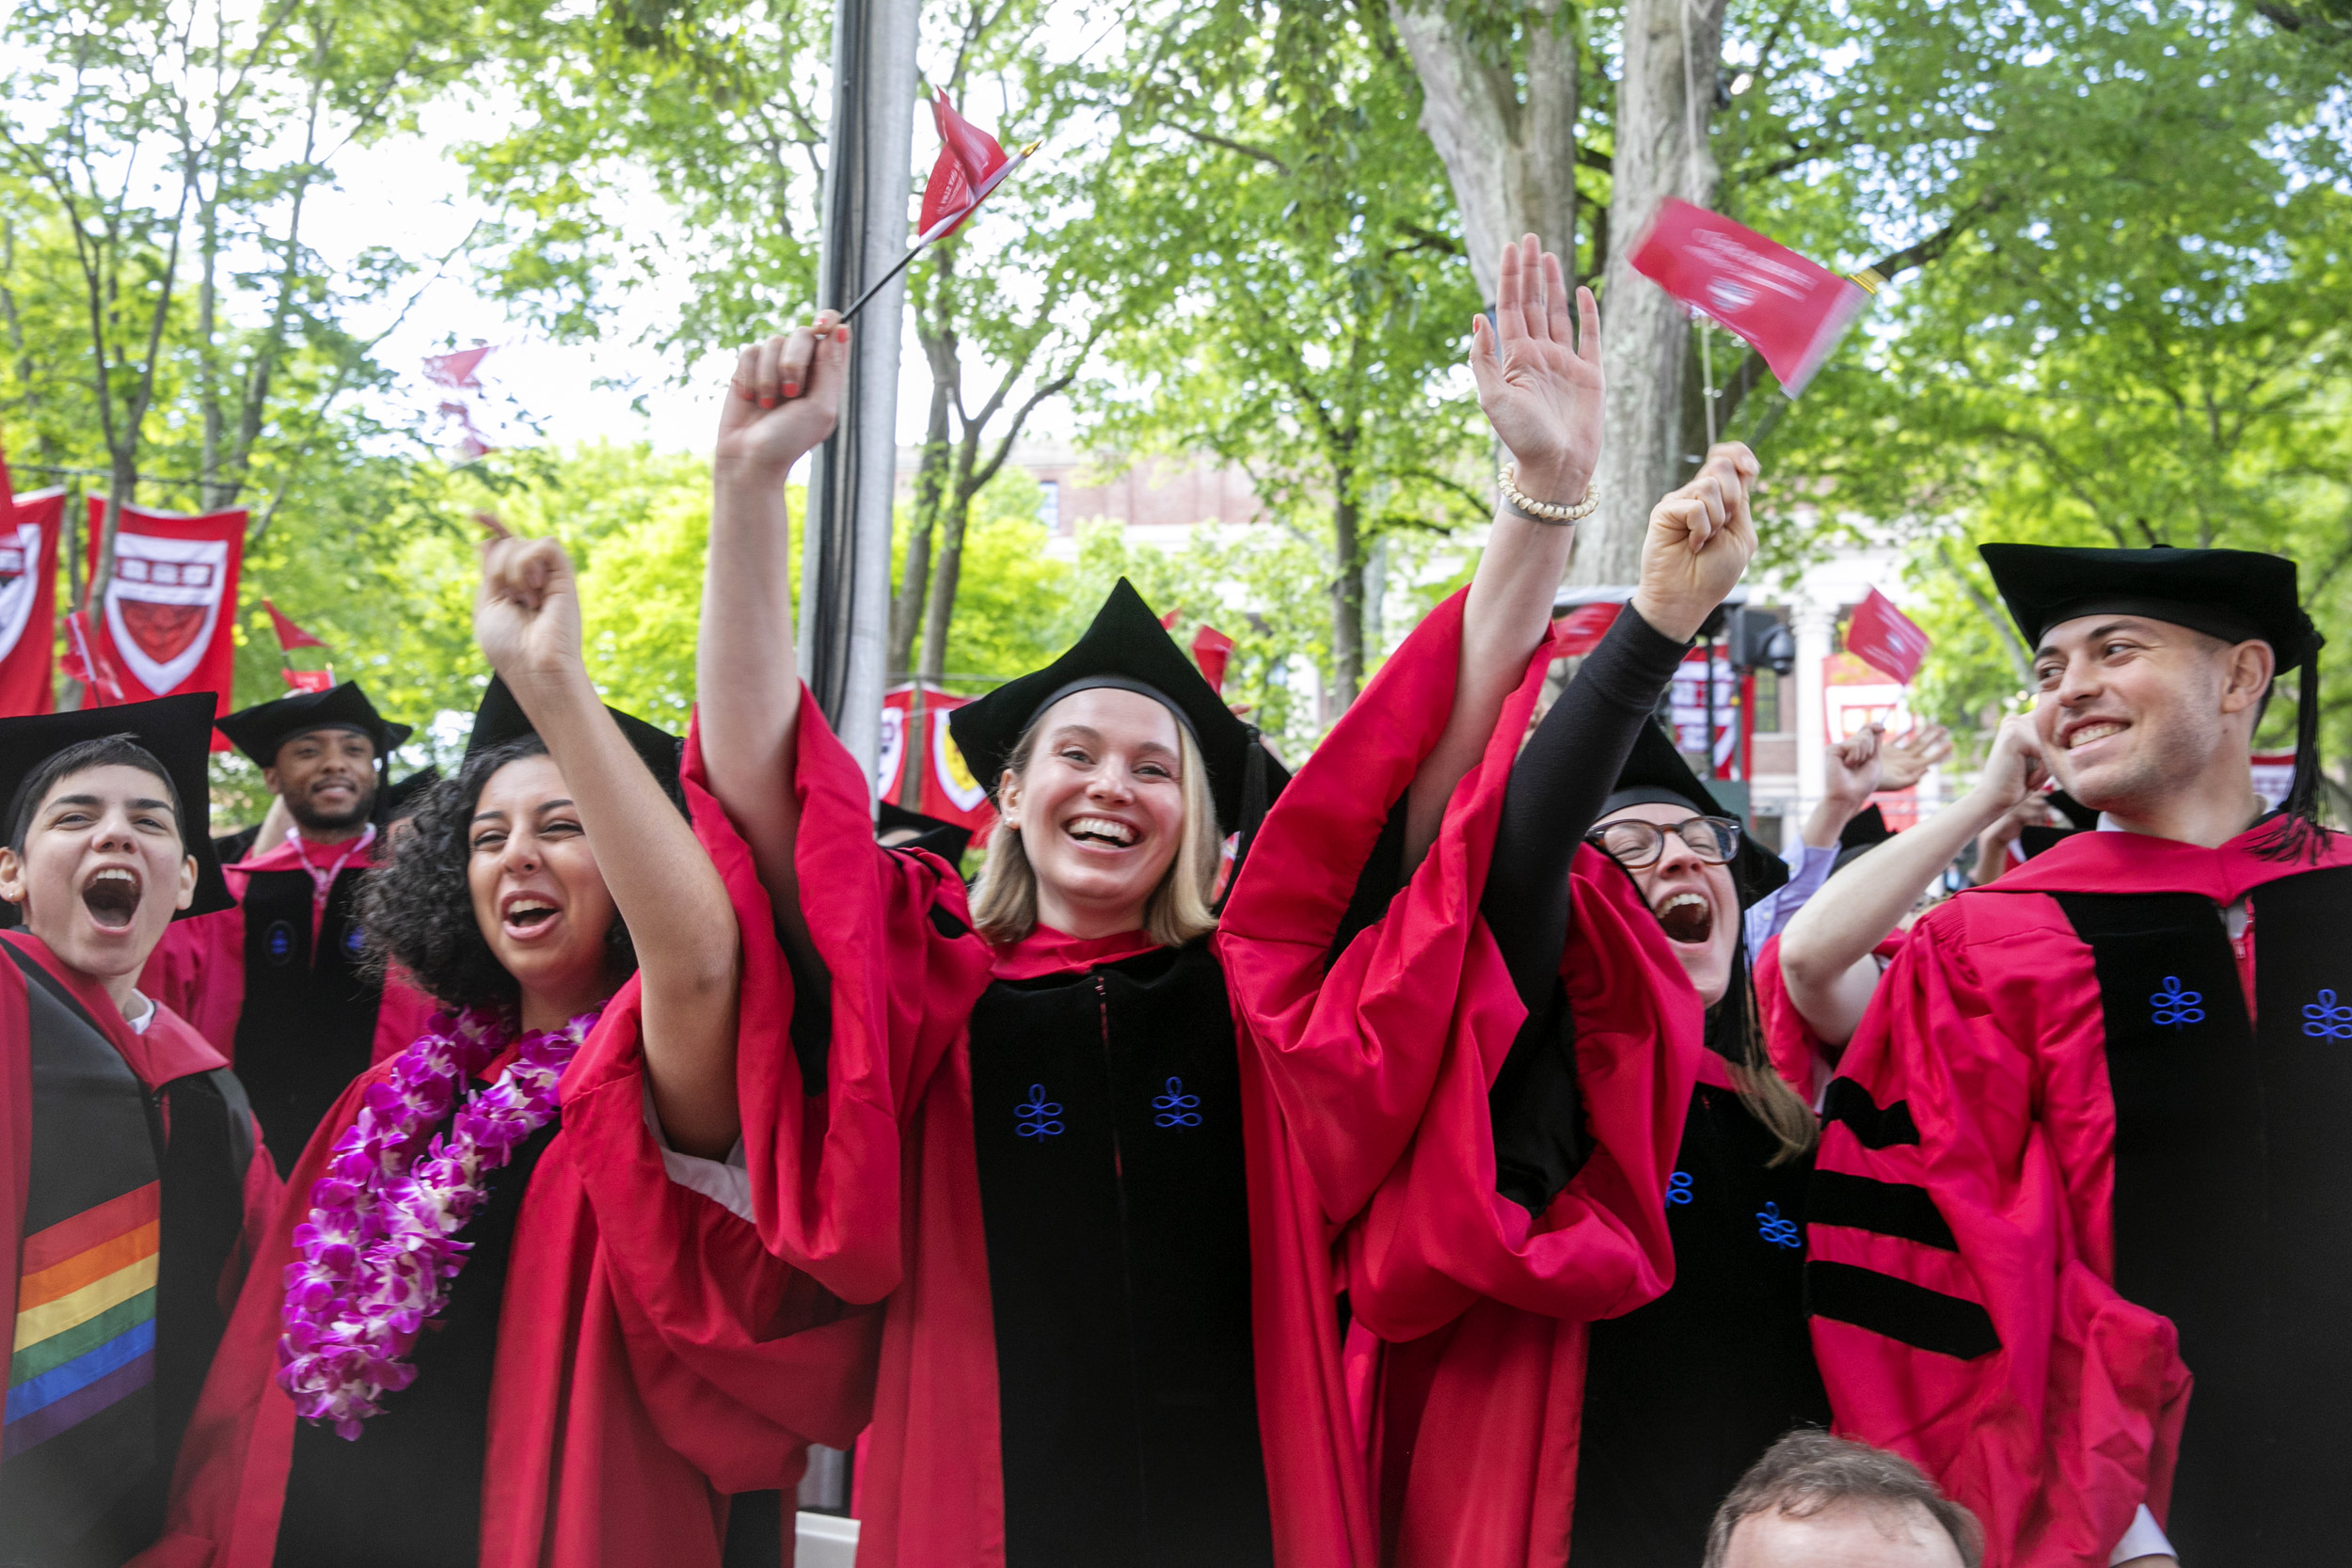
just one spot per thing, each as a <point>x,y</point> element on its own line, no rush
<point>1347,594</point>
<point>930,488</point>
<point>940,610</point>
<point>208,351</point>
<point>1665,103</point>
<point>1511,160</point>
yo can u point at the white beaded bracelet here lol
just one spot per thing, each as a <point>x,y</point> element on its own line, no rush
<point>1544,512</point>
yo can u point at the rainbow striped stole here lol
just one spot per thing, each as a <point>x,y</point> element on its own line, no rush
<point>85,1317</point>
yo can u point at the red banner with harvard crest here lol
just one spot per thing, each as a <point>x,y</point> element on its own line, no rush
<point>169,603</point>
<point>28,602</point>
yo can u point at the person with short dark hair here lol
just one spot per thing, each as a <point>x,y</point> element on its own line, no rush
<point>278,984</point>
<point>1818,1501</point>
<point>134,1182</point>
<point>2078,1237</point>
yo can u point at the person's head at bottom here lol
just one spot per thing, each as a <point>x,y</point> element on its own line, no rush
<point>1818,1501</point>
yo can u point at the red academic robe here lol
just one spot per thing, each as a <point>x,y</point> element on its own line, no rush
<point>1964,1221</point>
<point>167,1049</point>
<point>1798,1055</point>
<point>198,970</point>
<point>870,1183</point>
<point>1481,1310</point>
<point>613,1440</point>
<point>106,1245</point>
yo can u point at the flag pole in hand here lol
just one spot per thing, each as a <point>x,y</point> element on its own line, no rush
<point>970,165</point>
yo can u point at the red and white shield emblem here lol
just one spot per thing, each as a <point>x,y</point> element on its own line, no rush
<point>20,559</point>
<point>162,604</point>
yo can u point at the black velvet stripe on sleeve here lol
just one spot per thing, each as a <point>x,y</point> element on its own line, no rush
<point>1557,786</point>
<point>1896,1307</point>
<point>1912,1314</point>
<point>1885,1208</point>
<point>1877,1127</point>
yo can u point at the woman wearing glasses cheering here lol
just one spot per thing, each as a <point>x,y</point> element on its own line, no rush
<point>1630,1089</point>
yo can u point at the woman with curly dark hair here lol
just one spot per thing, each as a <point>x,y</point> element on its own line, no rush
<point>429,1367</point>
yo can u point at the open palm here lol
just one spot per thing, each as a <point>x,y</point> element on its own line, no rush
<point>1538,373</point>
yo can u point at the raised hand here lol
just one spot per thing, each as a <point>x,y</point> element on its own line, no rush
<point>526,612</point>
<point>2013,769</point>
<point>1851,768</point>
<point>783,399</point>
<point>1539,376</point>
<point>1904,759</point>
<point>1700,540</point>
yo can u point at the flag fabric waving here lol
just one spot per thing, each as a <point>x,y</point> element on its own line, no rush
<point>164,626</point>
<point>311,680</point>
<point>1886,638</point>
<point>970,165</point>
<point>1790,310</point>
<point>1210,649</point>
<point>456,371</point>
<point>100,686</point>
<point>290,635</point>
<point>28,601</point>
<point>1580,630</point>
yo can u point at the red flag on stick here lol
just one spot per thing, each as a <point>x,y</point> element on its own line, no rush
<point>310,680</point>
<point>85,663</point>
<point>1211,648</point>
<point>1790,310</point>
<point>1580,630</point>
<point>1886,638</point>
<point>970,165</point>
<point>456,371</point>
<point>290,635</point>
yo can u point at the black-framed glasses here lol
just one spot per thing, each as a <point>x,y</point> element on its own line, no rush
<point>1635,843</point>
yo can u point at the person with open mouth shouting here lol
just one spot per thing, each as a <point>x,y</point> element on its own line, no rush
<point>134,1182</point>
<point>1579,1296</point>
<point>1038,1125</point>
<point>428,1367</point>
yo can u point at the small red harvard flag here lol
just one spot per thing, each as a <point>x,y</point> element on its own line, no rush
<point>1580,630</point>
<point>970,165</point>
<point>1886,638</point>
<point>311,680</point>
<point>290,635</point>
<point>1790,310</point>
<point>1211,648</point>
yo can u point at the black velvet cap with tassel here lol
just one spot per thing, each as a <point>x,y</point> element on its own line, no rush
<point>1127,648</point>
<point>1654,773</point>
<point>500,719</point>
<point>2236,595</point>
<point>948,840</point>
<point>176,730</point>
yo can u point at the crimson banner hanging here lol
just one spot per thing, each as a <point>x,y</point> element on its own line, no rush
<point>28,603</point>
<point>946,790</point>
<point>169,603</point>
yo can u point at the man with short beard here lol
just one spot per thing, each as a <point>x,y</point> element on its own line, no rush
<point>2087,1145</point>
<point>277,983</point>
<point>132,1175</point>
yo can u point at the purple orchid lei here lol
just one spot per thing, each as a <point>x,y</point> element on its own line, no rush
<point>374,1262</point>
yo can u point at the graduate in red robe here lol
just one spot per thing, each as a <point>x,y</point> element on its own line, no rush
<point>279,982</point>
<point>1609,1133</point>
<point>2077,1236</point>
<point>1031,1124</point>
<point>533,1417</point>
<point>134,1183</point>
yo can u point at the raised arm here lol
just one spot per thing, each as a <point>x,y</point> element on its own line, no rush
<point>527,618</point>
<point>1700,541</point>
<point>783,399</point>
<point>1825,954</point>
<point>1539,382</point>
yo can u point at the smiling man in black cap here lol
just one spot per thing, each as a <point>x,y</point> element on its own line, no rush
<point>2088,1144</point>
<point>277,983</point>
<point>130,1176</point>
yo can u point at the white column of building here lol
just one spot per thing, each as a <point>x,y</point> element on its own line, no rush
<point>1813,624</point>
